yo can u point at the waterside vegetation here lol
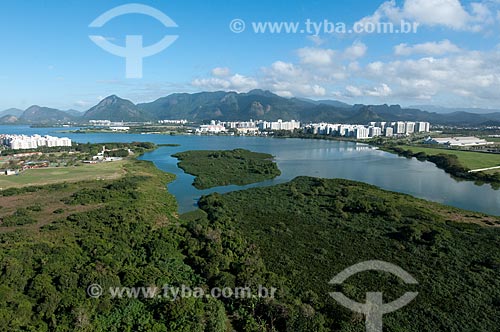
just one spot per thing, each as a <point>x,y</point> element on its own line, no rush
<point>221,168</point>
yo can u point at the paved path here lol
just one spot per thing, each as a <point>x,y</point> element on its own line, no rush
<point>483,169</point>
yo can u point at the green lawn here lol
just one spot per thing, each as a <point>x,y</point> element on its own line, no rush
<point>51,175</point>
<point>492,139</point>
<point>469,159</point>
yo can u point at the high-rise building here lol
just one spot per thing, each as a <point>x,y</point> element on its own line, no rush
<point>422,127</point>
<point>410,128</point>
<point>361,132</point>
<point>400,127</point>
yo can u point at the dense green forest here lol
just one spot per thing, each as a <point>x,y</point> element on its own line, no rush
<point>310,229</point>
<point>294,237</point>
<point>222,168</point>
<point>129,238</point>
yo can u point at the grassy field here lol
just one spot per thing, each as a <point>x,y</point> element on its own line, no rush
<point>469,159</point>
<point>43,206</point>
<point>42,176</point>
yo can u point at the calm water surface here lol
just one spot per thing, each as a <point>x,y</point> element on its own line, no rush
<point>296,157</point>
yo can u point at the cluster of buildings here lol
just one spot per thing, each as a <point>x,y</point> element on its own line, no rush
<point>104,123</point>
<point>21,142</point>
<point>102,157</point>
<point>458,141</point>
<point>248,127</point>
<point>173,122</point>
<point>373,129</point>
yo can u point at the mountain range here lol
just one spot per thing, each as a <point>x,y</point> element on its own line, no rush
<point>233,106</point>
<point>442,109</point>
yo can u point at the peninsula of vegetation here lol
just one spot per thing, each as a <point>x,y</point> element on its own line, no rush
<point>306,231</point>
<point>222,168</point>
<point>467,165</point>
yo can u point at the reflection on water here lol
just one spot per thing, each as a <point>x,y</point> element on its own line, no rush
<point>296,157</point>
<point>331,159</point>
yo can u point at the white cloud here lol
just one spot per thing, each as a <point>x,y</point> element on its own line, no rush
<point>284,93</point>
<point>356,51</point>
<point>481,13</point>
<point>221,71</point>
<point>235,82</point>
<point>354,91</point>
<point>379,91</point>
<point>448,13</point>
<point>382,90</point>
<point>290,89</point>
<point>473,74</point>
<point>284,69</point>
<point>430,48</point>
<point>316,56</point>
<point>317,40</point>
<point>442,72</point>
<point>81,103</point>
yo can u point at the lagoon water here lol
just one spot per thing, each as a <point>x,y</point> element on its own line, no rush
<point>296,157</point>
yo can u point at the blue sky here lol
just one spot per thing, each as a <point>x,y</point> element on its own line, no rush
<point>453,59</point>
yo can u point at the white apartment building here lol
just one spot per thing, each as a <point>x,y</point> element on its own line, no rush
<point>374,129</point>
<point>361,132</point>
<point>23,142</point>
<point>410,128</point>
<point>422,127</point>
<point>279,125</point>
<point>211,129</point>
<point>399,127</point>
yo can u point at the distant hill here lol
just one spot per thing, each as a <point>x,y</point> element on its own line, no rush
<point>256,104</point>
<point>265,105</point>
<point>8,119</point>
<point>115,108</point>
<point>38,114</point>
<point>441,109</point>
<point>222,105</point>
<point>335,103</point>
<point>12,111</point>
<point>74,113</point>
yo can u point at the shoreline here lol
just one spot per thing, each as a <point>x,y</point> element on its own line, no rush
<point>450,164</point>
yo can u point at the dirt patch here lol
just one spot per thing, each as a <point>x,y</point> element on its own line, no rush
<point>44,206</point>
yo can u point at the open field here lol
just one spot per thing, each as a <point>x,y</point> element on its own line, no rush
<point>43,206</point>
<point>468,159</point>
<point>491,139</point>
<point>43,176</point>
